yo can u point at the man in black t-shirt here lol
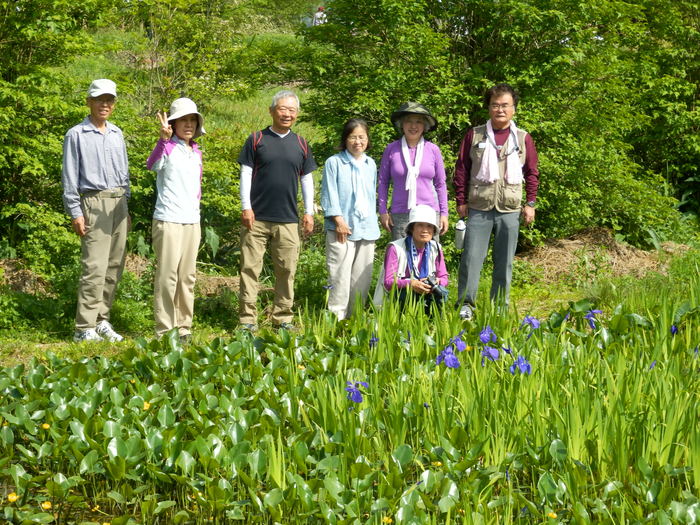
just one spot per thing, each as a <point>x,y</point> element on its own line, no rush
<point>273,162</point>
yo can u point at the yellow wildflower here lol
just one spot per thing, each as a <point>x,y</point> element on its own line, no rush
<point>387,519</point>
<point>132,381</point>
<point>552,515</point>
<point>95,508</point>
<point>436,463</point>
<point>301,367</point>
<point>146,405</point>
<point>45,426</point>
<point>46,505</point>
<point>12,497</point>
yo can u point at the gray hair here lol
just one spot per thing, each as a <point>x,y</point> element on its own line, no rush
<point>285,93</point>
<point>399,121</point>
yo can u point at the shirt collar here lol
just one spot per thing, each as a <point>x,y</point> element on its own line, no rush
<point>89,126</point>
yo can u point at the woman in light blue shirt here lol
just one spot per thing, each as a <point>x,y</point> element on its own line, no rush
<point>349,200</point>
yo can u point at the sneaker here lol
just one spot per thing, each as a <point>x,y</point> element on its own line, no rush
<point>105,329</point>
<point>86,335</point>
<point>249,327</point>
<point>466,312</point>
<point>286,326</point>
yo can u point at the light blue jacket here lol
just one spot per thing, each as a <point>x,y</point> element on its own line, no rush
<point>338,198</point>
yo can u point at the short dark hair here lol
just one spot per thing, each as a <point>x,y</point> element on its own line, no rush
<point>349,127</point>
<point>501,89</point>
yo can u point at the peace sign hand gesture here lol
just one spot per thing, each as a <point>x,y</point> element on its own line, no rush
<point>166,130</point>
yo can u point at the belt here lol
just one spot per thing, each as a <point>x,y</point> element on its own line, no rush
<point>112,193</point>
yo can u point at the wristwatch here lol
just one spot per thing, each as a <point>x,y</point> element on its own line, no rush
<point>531,204</point>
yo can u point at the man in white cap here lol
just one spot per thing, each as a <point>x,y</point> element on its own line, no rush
<point>95,192</point>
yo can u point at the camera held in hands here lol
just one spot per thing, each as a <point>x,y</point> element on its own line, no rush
<point>436,289</point>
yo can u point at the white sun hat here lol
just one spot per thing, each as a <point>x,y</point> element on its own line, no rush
<point>185,106</point>
<point>102,86</point>
<point>422,213</point>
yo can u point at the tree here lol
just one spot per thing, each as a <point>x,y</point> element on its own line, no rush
<point>577,67</point>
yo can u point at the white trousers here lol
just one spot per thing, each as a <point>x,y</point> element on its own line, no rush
<point>349,273</point>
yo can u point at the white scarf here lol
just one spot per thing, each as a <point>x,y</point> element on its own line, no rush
<point>358,186</point>
<point>489,162</point>
<point>413,169</point>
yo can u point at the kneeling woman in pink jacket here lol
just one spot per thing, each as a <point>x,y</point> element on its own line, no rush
<point>415,264</point>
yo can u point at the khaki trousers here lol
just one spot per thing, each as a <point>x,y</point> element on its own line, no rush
<point>284,249</point>
<point>176,246</point>
<point>103,249</point>
<point>349,273</point>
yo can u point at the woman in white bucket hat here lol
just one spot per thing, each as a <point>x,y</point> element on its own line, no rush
<point>177,161</point>
<point>415,265</point>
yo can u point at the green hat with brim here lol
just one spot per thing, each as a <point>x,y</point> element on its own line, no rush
<point>414,108</point>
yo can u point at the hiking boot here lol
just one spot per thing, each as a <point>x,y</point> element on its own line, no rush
<point>86,335</point>
<point>105,329</point>
<point>286,326</point>
<point>466,312</point>
<point>249,327</point>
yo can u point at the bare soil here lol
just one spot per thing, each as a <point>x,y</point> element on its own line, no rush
<point>594,250</point>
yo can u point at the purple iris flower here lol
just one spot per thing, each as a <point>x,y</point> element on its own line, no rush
<point>373,341</point>
<point>652,365</point>
<point>426,405</point>
<point>458,342</point>
<point>353,390</point>
<point>507,350</point>
<point>448,356</point>
<point>489,352</point>
<point>487,335</point>
<point>532,321</point>
<point>590,317</point>
<point>521,365</point>
<point>674,329</point>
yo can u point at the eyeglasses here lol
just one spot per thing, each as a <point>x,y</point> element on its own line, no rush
<point>496,107</point>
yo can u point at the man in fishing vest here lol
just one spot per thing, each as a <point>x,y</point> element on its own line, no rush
<point>273,163</point>
<point>494,162</point>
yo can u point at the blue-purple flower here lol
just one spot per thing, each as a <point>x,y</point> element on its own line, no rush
<point>457,342</point>
<point>489,352</point>
<point>532,321</point>
<point>590,317</point>
<point>373,341</point>
<point>521,365</point>
<point>448,357</point>
<point>487,335</point>
<point>652,365</point>
<point>353,390</point>
<point>674,329</point>
<point>507,350</point>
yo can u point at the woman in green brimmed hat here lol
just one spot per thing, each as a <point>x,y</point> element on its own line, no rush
<point>414,168</point>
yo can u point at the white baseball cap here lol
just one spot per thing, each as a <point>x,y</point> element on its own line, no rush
<point>102,86</point>
<point>422,213</point>
<point>185,106</point>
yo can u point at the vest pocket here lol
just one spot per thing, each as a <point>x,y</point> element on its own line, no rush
<point>512,196</point>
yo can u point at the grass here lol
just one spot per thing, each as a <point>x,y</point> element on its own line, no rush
<point>603,429</point>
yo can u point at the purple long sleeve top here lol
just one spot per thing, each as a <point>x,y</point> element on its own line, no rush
<point>431,188</point>
<point>391,262</point>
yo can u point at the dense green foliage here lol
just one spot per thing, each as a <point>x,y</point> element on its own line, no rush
<point>609,92</point>
<point>603,428</point>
